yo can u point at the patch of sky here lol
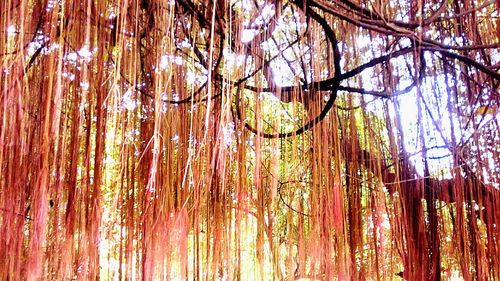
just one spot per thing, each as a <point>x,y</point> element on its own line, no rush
<point>128,101</point>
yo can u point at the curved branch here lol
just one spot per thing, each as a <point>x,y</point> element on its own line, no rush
<point>466,60</point>
<point>313,122</point>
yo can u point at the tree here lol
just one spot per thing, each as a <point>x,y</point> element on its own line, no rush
<point>249,140</point>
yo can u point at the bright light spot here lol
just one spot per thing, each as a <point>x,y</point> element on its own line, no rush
<point>128,101</point>
<point>185,44</point>
<point>164,62</point>
<point>85,53</point>
<point>72,56</point>
<point>50,5</point>
<point>455,276</point>
<point>282,76</point>
<point>289,54</point>
<point>190,77</point>
<point>227,133</point>
<point>266,14</point>
<point>247,35</point>
<point>385,222</point>
<point>178,60</point>
<point>232,59</point>
<point>33,47</point>
<point>268,11</point>
<point>175,96</point>
<point>247,5</point>
<point>69,76</point>
<point>85,85</point>
<point>11,30</point>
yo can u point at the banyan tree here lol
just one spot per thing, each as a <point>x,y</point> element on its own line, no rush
<point>249,140</point>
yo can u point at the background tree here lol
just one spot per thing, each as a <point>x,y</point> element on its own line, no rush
<point>249,140</point>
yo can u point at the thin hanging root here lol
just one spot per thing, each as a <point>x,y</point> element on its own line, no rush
<point>202,140</point>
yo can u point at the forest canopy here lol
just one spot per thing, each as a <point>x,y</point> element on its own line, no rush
<point>249,140</point>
